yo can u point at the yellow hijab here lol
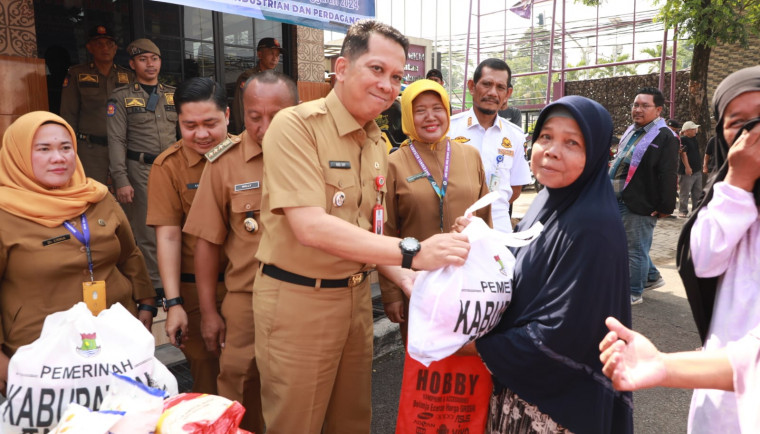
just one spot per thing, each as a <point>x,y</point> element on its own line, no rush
<point>23,196</point>
<point>407,114</point>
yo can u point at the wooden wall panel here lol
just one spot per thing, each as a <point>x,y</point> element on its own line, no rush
<point>24,88</point>
<point>310,90</point>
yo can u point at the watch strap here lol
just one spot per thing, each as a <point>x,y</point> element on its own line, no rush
<point>148,308</point>
<point>172,302</point>
<point>406,259</point>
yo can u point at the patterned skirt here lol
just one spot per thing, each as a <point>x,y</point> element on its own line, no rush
<point>512,415</point>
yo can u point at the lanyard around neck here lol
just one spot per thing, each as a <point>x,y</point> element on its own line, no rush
<point>439,191</point>
<point>84,238</point>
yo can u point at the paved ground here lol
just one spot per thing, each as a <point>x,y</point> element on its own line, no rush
<point>664,317</point>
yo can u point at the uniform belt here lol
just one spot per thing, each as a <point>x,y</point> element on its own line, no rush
<point>287,276</point>
<point>91,138</point>
<point>190,278</point>
<point>142,157</point>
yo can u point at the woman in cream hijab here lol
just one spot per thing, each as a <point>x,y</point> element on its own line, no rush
<point>49,213</point>
<point>431,179</point>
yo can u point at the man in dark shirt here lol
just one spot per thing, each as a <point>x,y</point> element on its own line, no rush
<point>689,169</point>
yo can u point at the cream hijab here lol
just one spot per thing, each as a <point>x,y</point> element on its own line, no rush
<point>407,114</point>
<point>23,196</point>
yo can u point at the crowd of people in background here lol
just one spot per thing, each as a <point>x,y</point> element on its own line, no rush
<point>258,242</point>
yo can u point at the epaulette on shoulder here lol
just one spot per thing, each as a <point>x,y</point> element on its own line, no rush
<point>221,148</point>
<point>166,153</point>
<point>310,108</point>
<point>461,139</point>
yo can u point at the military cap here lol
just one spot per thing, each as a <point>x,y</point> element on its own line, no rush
<point>99,32</point>
<point>140,46</point>
<point>269,43</point>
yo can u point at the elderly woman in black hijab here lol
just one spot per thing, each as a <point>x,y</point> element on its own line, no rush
<point>543,354</point>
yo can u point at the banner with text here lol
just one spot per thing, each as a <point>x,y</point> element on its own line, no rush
<point>336,15</point>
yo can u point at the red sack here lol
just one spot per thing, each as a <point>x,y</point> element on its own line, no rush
<point>451,395</point>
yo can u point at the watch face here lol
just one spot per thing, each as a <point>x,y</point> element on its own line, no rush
<point>410,244</point>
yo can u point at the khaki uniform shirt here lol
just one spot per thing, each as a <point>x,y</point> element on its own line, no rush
<point>237,112</point>
<point>84,96</point>
<point>313,152</point>
<point>173,182</point>
<point>42,269</point>
<point>412,204</point>
<point>131,126</point>
<point>230,187</point>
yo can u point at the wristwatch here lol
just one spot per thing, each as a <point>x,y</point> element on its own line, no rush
<point>172,302</point>
<point>409,248</point>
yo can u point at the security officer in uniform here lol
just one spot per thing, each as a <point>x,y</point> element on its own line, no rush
<point>323,187</point>
<point>499,141</point>
<point>268,52</point>
<point>142,122</point>
<point>203,117</point>
<point>85,91</point>
<point>226,218</point>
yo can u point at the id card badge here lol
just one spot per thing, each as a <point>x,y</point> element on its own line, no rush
<point>94,295</point>
<point>493,183</point>
<point>377,222</point>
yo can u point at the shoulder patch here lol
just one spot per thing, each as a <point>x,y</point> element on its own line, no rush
<point>66,82</point>
<point>461,139</point>
<point>220,149</point>
<point>110,108</point>
<point>122,77</point>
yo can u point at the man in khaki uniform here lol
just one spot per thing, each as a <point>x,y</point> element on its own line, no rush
<point>142,122</point>
<point>268,54</point>
<point>226,215</point>
<point>203,117</point>
<point>85,91</point>
<point>311,296</point>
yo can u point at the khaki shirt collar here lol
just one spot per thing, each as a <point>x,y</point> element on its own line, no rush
<point>190,155</point>
<point>345,123</point>
<point>250,148</point>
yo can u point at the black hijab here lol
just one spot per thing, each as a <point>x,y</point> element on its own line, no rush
<point>701,291</point>
<point>545,349</point>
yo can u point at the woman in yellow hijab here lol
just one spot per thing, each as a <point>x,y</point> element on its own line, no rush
<point>58,231</point>
<point>431,179</point>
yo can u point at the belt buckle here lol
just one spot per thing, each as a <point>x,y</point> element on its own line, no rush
<point>355,279</point>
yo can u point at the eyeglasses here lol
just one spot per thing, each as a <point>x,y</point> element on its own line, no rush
<point>641,106</point>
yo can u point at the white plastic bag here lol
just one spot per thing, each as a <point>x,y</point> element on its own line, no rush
<point>72,361</point>
<point>454,305</point>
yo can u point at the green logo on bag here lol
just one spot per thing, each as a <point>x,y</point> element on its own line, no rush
<point>501,264</point>
<point>89,346</point>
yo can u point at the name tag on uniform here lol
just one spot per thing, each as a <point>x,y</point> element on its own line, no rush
<point>340,164</point>
<point>193,186</point>
<point>56,240</point>
<point>507,152</point>
<point>415,177</point>
<point>247,186</point>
